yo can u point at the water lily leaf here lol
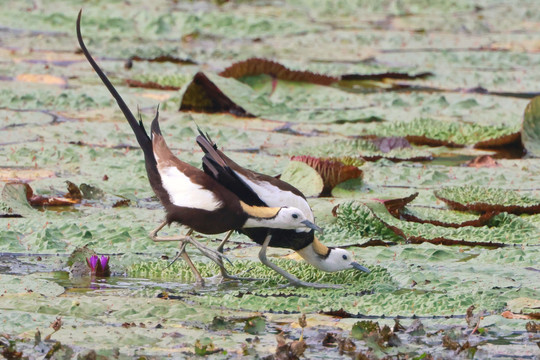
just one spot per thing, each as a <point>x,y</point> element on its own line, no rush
<point>304,178</point>
<point>385,144</point>
<point>332,172</point>
<point>424,131</point>
<point>12,284</point>
<point>359,150</point>
<point>445,218</point>
<point>502,229</point>
<point>530,132</point>
<point>212,93</point>
<point>362,329</point>
<point>150,85</point>
<point>483,199</point>
<point>257,66</point>
<point>255,325</point>
<point>91,192</point>
<point>15,197</point>
<point>527,305</point>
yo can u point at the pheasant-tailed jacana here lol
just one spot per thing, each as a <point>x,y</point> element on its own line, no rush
<point>262,190</point>
<point>190,196</point>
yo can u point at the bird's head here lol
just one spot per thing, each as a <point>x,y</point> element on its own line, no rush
<point>340,259</point>
<point>294,218</point>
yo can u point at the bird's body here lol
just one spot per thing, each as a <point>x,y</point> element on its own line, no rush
<point>189,195</point>
<point>265,190</point>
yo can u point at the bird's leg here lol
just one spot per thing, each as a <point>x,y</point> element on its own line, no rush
<point>209,253</point>
<point>155,238</point>
<point>293,280</point>
<point>225,239</point>
<point>198,278</point>
<point>178,254</point>
<point>224,273</point>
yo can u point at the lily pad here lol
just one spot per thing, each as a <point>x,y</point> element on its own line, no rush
<point>304,178</point>
<point>530,133</point>
<point>485,199</point>
<point>425,131</point>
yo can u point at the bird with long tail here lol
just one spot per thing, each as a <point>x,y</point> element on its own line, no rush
<point>190,196</point>
<point>263,190</point>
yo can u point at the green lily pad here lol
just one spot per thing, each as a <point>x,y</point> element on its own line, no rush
<point>425,131</point>
<point>502,229</point>
<point>304,178</point>
<point>12,284</point>
<point>530,132</point>
<point>477,198</point>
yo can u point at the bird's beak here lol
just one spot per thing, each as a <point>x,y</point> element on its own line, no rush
<point>311,225</point>
<point>357,266</point>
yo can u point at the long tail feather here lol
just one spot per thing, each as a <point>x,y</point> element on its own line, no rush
<point>142,137</point>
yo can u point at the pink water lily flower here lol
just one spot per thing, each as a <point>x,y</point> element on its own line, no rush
<point>99,266</point>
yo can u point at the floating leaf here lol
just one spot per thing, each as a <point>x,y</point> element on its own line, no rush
<point>257,66</point>
<point>304,178</point>
<point>385,144</point>
<point>212,94</point>
<point>530,132</point>
<point>502,229</point>
<point>483,199</point>
<point>356,151</point>
<point>255,325</point>
<point>332,172</point>
<point>424,131</point>
<point>150,85</point>
<point>445,218</point>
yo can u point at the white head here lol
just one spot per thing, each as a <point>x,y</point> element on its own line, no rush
<point>288,218</point>
<point>329,259</point>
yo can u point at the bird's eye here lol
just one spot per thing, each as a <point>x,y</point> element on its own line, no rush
<point>295,216</point>
<point>344,257</point>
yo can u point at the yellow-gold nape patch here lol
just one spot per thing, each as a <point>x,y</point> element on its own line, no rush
<point>261,212</point>
<point>319,247</point>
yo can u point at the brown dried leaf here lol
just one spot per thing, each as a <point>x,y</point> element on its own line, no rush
<point>394,206</point>
<point>121,203</point>
<point>202,95</point>
<point>73,191</point>
<point>505,140</point>
<point>150,85</point>
<point>162,59</point>
<point>532,327</point>
<point>482,161</point>
<point>530,316</point>
<point>332,172</point>
<point>449,343</point>
<point>346,346</point>
<point>257,66</point>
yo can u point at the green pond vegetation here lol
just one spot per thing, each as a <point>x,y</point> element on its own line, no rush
<point>414,129</point>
